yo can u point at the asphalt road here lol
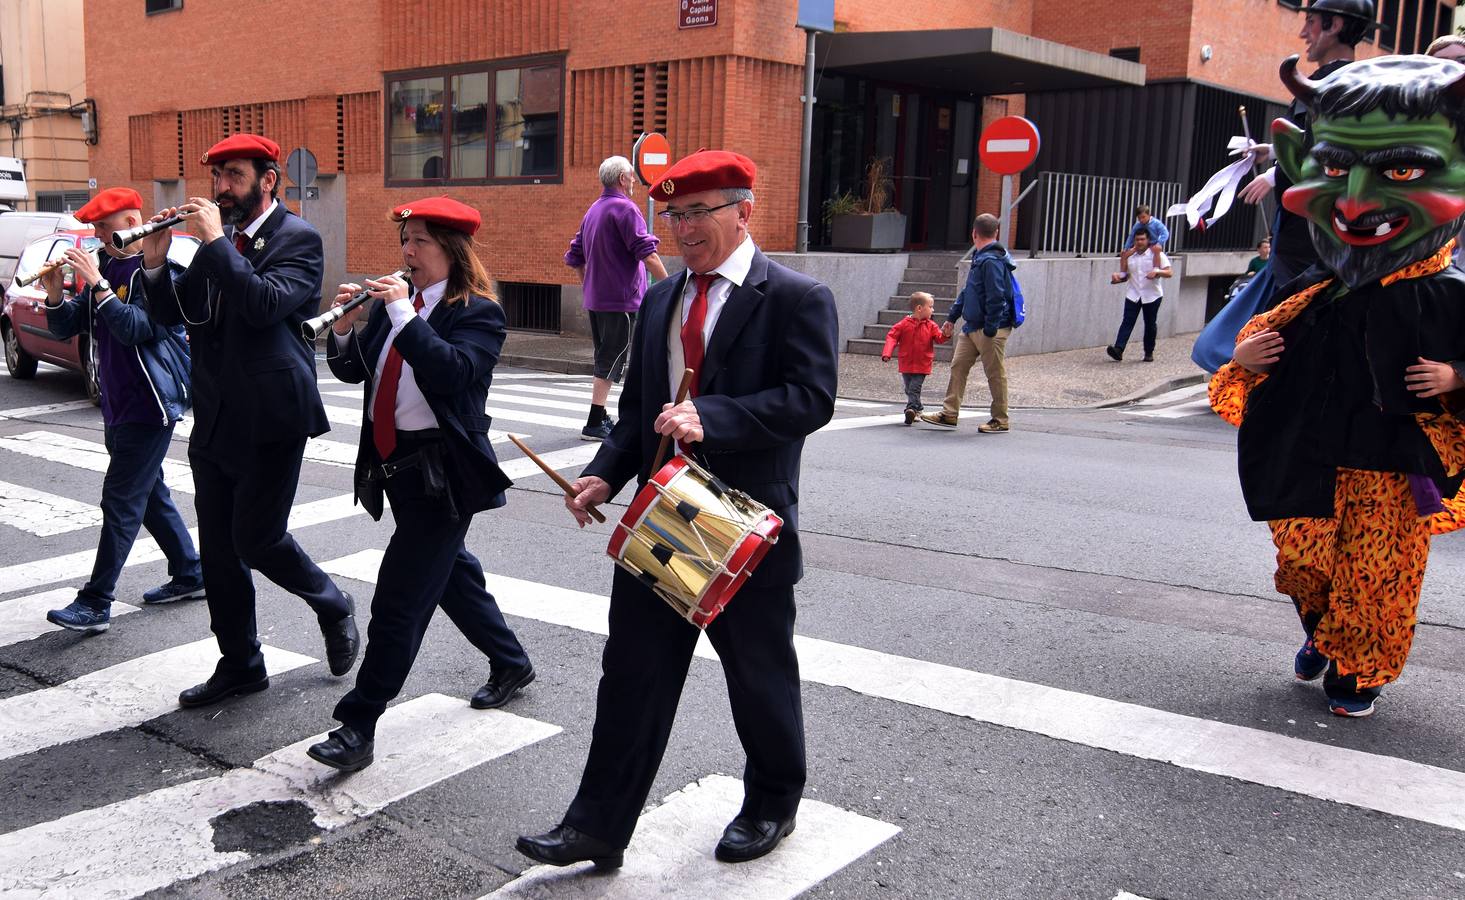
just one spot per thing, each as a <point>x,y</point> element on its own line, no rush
<point>1042,664</point>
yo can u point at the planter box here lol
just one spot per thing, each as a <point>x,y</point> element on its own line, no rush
<point>882,231</point>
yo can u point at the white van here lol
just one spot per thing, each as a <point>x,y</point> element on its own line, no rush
<point>17,229</point>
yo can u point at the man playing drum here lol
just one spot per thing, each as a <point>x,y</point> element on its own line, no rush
<point>762,341</point>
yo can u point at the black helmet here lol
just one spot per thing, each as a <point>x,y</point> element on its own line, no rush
<point>1362,10</point>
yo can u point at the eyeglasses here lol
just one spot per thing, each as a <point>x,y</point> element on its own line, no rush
<point>693,216</point>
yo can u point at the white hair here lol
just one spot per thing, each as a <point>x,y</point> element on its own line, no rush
<point>613,169</point>
<point>736,195</point>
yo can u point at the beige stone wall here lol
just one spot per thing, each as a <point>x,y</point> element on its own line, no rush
<point>43,58</point>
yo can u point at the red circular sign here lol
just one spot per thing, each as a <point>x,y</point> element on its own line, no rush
<point>651,156</point>
<point>1009,145</point>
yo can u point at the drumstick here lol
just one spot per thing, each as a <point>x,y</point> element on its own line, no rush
<point>682,392</point>
<point>556,477</point>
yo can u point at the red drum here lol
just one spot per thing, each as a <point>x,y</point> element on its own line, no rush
<point>692,539</point>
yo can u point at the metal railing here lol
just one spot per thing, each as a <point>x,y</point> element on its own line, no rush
<point>1082,215</point>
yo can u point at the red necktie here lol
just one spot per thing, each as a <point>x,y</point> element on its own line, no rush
<point>384,408</point>
<point>241,240</point>
<point>692,346</point>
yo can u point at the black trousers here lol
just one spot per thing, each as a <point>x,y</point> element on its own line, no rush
<point>425,566</point>
<point>243,500</point>
<point>1132,310</point>
<point>644,667</point>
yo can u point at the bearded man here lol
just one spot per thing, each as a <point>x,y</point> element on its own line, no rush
<point>1345,393</point>
<point>256,278</point>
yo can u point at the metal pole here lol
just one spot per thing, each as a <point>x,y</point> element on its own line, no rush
<point>803,230</point>
<point>650,213</point>
<point>1002,226</point>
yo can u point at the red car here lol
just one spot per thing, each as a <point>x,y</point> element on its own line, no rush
<point>28,341</point>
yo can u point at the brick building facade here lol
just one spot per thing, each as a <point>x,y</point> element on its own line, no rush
<point>542,90</point>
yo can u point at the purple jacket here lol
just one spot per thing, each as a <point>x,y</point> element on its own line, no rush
<point>610,244</point>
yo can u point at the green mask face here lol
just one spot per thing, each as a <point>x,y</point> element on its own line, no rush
<point>1380,191</point>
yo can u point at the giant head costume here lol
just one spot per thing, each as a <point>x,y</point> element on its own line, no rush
<point>1381,176</point>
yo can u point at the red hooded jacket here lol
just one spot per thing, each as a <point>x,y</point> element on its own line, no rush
<point>916,339</point>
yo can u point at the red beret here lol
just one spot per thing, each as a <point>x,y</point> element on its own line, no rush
<point>112,200</point>
<point>242,146</point>
<point>705,170</point>
<point>442,210</point>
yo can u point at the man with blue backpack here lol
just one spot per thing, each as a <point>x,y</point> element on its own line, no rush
<point>991,305</point>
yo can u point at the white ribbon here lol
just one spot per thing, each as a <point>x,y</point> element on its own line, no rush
<point>1220,190</point>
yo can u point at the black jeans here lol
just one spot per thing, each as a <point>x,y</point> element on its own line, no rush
<point>1132,310</point>
<point>914,382</point>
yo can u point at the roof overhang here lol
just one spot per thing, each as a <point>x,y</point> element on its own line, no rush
<point>972,60</point>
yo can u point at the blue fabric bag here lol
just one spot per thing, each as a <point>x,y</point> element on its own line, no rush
<point>1217,341</point>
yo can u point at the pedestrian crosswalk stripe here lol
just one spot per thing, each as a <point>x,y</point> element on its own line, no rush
<point>156,839</point>
<point>1395,786</point>
<point>507,396</point>
<point>317,450</point>
<point>524,467</point>
<point>539,390</point>
<point>70,451</point>
<point>46,409</point>
<point>1199,407</point>
<point>24,618</point>
<point>859,404</point>
<point>119,696</point>
<point>861,422</point>
<point>502,413</point>
<point>671,852</point>
<point>44,514</point>
<point>527,376</point>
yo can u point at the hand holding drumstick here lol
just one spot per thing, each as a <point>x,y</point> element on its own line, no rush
<point>576,500</point>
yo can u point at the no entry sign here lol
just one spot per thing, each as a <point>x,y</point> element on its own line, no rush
<point>651,156</point>
<point>1009,145</point>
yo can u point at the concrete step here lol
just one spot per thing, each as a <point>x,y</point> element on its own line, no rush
<point>904,305</point>
<point>871,347</point>
<point>933,257</point>
<point>934,288</point>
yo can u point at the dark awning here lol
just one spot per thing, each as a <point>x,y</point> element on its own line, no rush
<point>971,60</point>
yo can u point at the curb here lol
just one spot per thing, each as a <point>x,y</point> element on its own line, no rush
<point>548,364</point>
<point>1159,387</point>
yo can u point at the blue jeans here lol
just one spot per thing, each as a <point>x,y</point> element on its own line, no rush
<point>133,495</point>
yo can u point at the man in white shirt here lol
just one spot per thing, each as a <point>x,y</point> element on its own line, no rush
<point>1142,293</point>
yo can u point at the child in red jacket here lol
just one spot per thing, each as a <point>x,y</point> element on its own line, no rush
<point>915,337</point>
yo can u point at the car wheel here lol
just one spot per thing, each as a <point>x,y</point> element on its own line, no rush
<point>19,363</point>
<point>89,372</point>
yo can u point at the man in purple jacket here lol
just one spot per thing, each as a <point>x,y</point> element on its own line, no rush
<point>608,251</point>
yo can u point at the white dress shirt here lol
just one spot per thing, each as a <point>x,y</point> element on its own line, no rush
<point>254,226</point>
<point>1141,288</point>
<point>413,413</point>
<point>732,273</point>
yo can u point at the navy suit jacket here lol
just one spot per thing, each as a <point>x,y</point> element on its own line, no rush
<point>452,354</point>
<point>768,380</point>
<point>253,372</point>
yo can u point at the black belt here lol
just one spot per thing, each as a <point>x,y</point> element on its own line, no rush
<point>399,463</point>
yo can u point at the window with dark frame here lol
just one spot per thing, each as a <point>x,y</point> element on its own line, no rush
<point>1388,24</point>
<point>1409,28</point>
<point>495,122</point>
<point>154,7</point>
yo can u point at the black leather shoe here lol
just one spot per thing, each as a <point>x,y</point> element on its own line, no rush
<point>220,687</point>
<point>746,838</point>
<point>345,749</point>
<point>501,688</point>
<point>343,641</point>
<point>564,845</point>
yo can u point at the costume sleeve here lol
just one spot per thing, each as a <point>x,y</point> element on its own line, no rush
<point>802,400</point>
<point>1229,388</point>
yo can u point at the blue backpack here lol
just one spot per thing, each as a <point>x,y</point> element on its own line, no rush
<point>1019,305</point>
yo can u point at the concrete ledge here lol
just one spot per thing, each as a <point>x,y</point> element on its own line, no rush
<point>547,364</point>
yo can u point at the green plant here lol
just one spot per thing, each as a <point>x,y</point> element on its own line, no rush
<point>846,204</point>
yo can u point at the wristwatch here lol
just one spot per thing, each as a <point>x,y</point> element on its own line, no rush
<point>103,286</point>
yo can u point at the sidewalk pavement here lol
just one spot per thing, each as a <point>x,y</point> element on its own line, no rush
<point>1069,379</point>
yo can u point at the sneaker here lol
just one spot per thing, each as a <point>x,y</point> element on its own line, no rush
<point>1114,353</point>
<point>910,414</point>
<point>596,432</point>
<point>1310,664</point>
<point>80,617</point>
<point>940,418</point>
<point>176,589</point>
<point>1149,357</point>
<point>1353,704</point>
<point>993,427</point>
